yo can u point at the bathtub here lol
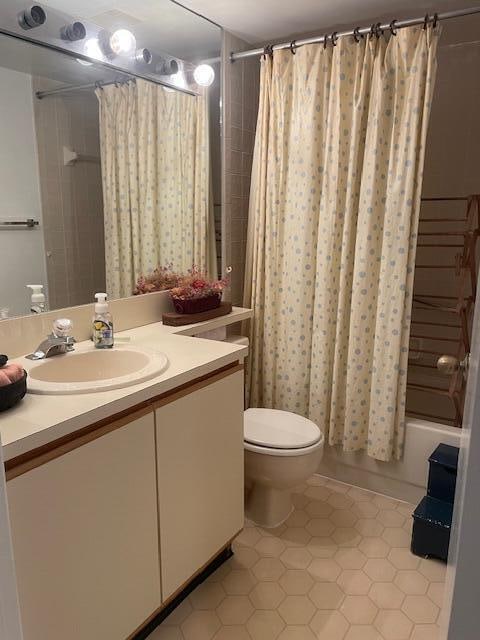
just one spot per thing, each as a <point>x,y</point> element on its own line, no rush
<point>405,479</point>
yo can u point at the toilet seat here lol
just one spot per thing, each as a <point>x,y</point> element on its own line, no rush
<point>280,433</point>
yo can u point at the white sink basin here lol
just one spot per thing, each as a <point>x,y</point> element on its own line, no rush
<point>90,370</point>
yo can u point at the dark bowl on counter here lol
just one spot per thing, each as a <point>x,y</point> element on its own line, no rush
<point>12,393</point>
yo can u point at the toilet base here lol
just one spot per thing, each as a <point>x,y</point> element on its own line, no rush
<point>268,507</point>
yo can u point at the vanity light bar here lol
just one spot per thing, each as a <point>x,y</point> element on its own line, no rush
<point>90,44</point>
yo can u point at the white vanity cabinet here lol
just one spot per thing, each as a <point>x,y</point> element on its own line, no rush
<point>85,538</point>
<point>200,477</point>
<point>110,524</point>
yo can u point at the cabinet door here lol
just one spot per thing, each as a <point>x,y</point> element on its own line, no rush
<point>200,477</point>
<point>85,538</point>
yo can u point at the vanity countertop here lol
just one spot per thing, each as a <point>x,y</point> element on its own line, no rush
<point>40,419</point>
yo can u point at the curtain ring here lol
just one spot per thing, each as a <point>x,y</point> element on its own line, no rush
<point>334,38</point>
<point>98,85</point>
<point>371,33</point>
<point>435,21</point>
<point>426,21</point>
<point>378,30</point>
<point>393,30</point>
<point>325,41</point>
<point>268,50</point>
<point>357,36</point>
<point>293,46</point>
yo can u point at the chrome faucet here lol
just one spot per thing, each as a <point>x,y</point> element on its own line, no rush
<point>59,341</point>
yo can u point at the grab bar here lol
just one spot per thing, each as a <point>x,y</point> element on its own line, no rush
<point>29,222</point>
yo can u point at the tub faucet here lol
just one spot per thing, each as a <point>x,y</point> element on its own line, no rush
<point>59,341</point>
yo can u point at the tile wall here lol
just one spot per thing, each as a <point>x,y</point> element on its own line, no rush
<point>240,107</point>
<point>72,200</point>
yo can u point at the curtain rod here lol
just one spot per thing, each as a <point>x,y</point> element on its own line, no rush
<point>98,85</point>
<point>357,32</point>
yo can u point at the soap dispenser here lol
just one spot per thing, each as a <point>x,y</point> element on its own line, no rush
<point>102,323</point>
<point>38,298</point>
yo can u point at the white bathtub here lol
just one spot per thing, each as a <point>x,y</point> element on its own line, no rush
<point>405,479</point>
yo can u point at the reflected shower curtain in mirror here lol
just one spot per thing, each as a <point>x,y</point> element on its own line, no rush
<point>156,182</point>
<point>333,220</point>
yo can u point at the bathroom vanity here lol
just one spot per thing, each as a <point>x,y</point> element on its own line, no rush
<point>119,499</point>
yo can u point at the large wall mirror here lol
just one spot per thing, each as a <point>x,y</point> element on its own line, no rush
<point>109,162</point>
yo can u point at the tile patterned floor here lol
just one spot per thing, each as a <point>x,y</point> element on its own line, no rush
<point>339,569</point>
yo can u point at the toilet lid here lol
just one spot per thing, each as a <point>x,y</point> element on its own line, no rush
<point>279,429</point>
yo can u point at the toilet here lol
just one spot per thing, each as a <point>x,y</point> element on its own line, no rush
<point>282,450</point>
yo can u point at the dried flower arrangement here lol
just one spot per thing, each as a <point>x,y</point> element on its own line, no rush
<point>160,279</point>
<point>191,292</point>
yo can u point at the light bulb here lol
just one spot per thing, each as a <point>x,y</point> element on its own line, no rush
<point>92,50</point>
<point>204,75</point>
<point>122,42</point>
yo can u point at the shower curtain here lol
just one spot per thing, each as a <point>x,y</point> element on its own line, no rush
<point>332,231</point>
<point>156,182</point>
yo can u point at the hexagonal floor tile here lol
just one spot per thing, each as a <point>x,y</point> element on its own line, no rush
<point>235,610</point>
<point>266,595</point>
<point>436,592</point>
<point>340,501</point>
<point>320,527</point>
<point>296,558</point>
<point>412,583</point>
<point>358,609</point>
<point>297,632</point>
<point>296,610</point>
<point>270,547</point>
<point>324,569</point>
<point>420,609</point>
<point>393,625</point>
<point>379,570</point>
<point>326,595</point>
<point>207,595</point>
<point>386,595</point>
<point>403,559</point>
<point>369,527</point>
<point>425,632</point>
<point>296,582</point>
<point>248,537</point>
<point>166,633</point>
<point>329,624</point>
<point>201,625</point>
<point>243,557</point>
<point>343,518</point>
<point>350,558</point>
<point>298,518</point>
<point>319,509</point>
<point>433,570</point>
<point>391,518</point>
<point>323,547</point>
<point>231,633</point>
<point>346,537</point>
<point>317,493</point>
<point>265,625</point>
<point>239,582</point>
<point>354,582</point>
<point>396,537</point>
<point>363,632</point>
<point>375,548</point>
<point>365,509</point>
<point>296,536</point>
<point>268,569</point>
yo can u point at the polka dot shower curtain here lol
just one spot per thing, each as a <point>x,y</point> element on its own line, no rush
<point>333,220</point>
<point>156,182</point>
